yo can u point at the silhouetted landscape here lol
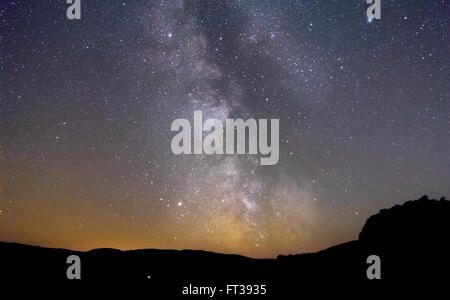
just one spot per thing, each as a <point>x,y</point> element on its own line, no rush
<point>410,239</point>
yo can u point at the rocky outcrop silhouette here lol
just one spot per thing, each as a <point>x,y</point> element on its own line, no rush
<point>400,226</point>
<point>412,239</point>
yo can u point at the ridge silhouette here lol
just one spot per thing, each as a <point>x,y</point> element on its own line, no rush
<point>410,239</point>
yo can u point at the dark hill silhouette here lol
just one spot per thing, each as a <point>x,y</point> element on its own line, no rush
<point>411,240</point>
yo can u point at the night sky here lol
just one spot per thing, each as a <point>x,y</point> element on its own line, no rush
<point>86,108</point>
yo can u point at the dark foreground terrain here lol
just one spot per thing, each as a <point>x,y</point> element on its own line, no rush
<point>412,241</point>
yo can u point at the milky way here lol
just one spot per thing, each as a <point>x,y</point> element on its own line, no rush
<point>87,106</point>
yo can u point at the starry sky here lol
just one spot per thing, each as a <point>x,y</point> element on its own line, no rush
<point>86,108</point>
